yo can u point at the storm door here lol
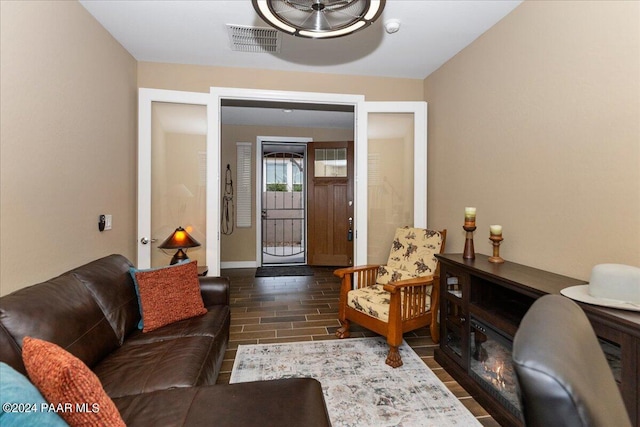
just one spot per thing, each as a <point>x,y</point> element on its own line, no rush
<point>283,204</point>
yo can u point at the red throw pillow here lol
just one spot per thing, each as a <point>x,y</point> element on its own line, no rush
<point>169,294</point>
<point>73,391</point>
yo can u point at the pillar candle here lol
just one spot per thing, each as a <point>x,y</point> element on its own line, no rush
<point>496,230</point>
<point>470,217</point>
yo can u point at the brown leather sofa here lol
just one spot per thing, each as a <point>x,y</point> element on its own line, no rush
<point>163,377</point>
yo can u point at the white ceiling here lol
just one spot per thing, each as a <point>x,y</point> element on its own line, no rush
<point>195,32</point>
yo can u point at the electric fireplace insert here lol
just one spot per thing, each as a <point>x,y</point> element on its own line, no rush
<point>490,364</point>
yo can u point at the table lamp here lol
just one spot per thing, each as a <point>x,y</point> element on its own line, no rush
<point>179,240</point>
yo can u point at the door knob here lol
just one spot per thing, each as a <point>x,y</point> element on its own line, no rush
<point>145,241</point>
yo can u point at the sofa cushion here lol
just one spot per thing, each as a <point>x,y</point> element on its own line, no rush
<point>291,402</point>
<point>62,311</point>
<point>168,294</point>
<point>111,285</point>
<point>215,323</point>
<point>16,389</point>
<point>162,364</point>
<point>68,383</point>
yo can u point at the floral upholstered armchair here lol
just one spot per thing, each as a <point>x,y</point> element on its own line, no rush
<point>397,297</point>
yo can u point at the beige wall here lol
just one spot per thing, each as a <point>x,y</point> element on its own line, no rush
<point>241,245</point>
<point>68,152</point>
<point>198,78</point>
<point>537,124</point>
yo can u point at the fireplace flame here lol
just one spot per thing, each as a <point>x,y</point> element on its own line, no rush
<point>495,374</point>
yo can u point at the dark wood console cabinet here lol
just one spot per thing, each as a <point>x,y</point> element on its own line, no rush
<point>477,292</point>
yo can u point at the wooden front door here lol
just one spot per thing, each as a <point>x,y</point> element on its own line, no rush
<point>330,203</point>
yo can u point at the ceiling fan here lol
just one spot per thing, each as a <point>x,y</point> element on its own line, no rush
<point>319,18</point>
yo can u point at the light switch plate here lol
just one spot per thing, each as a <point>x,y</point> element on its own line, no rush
<point>107,222</point>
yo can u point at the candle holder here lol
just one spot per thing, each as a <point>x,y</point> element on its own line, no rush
<point>495,240</point>
<point>469,252</point>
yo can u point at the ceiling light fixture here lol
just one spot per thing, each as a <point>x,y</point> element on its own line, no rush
<point>319,19</point>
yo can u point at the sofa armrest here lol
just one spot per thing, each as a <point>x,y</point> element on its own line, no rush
<point>214,290</point>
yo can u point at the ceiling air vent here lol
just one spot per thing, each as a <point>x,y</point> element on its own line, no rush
<point>254,39</point>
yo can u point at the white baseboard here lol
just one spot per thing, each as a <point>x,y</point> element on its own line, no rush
<point>239,264</point>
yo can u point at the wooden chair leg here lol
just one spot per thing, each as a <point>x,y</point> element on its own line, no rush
<point>435,332</point>
<point>343,332</point>
<point>393,358</point>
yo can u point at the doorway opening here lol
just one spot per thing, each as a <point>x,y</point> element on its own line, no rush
<point>283,203</point>
<point>244,251</point>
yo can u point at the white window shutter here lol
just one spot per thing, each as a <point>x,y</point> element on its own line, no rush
<point>243,186</point>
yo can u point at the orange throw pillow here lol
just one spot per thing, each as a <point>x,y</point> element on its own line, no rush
<point>169,294</point>
<point>73,391</point>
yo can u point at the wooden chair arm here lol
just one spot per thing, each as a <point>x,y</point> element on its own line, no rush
<point>341,272</point>
<point>410,303</point>
<point>394,287</point>
<point>350,277</point>
<point>358,277</point>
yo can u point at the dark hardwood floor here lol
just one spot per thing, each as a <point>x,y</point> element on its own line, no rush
<point>286,309</point>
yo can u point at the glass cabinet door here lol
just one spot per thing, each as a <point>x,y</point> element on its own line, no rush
<point>453,324</point>
<point>453,315</point>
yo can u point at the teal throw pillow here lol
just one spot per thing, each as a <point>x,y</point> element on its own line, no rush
<point>22,403</point>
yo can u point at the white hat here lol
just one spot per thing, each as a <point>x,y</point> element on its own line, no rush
<point>610,285</point>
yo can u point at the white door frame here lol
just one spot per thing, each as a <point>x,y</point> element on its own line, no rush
<point>213,101</point>
<point>419,111</point>
<point>220,93</point>
<point>146,97</point>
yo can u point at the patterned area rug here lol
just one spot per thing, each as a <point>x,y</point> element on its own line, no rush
<point>359,388</point>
